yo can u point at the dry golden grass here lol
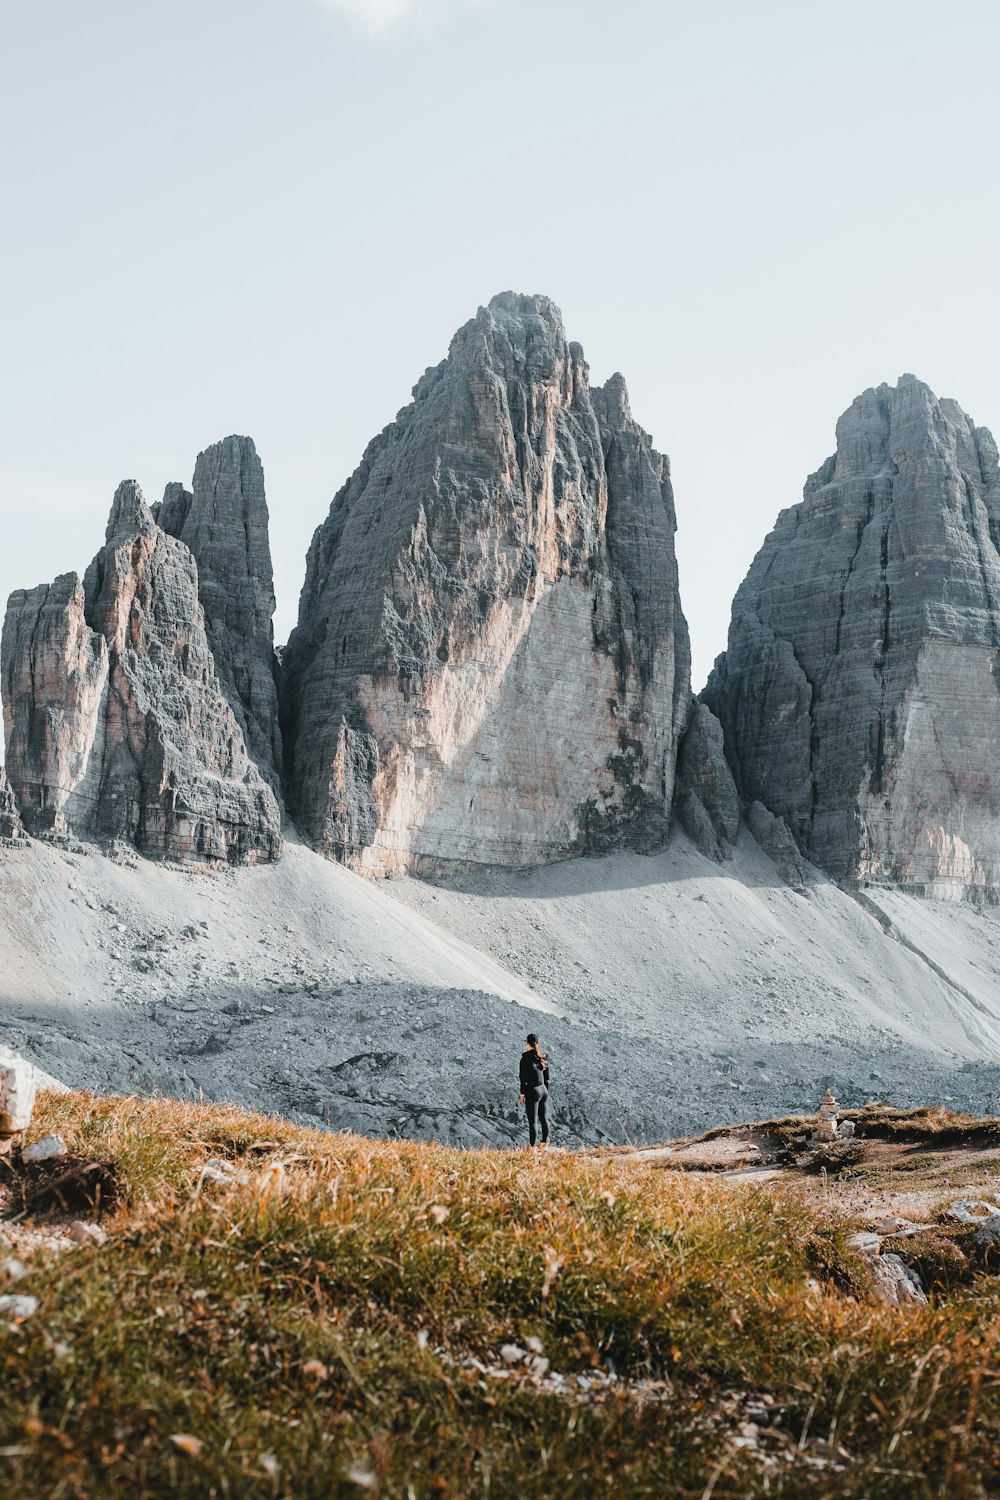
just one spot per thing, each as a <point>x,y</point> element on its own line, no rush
<point>306,1332</point>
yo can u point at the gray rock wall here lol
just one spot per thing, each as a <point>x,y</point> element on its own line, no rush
<point>705,797</point>
<point>859,690</point>
<point>491,664</point>
<point>223,520</point>
<point>116,724</point>
<point>10,817</point>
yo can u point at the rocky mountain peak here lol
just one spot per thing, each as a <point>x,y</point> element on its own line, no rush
<point>118,726</point>
<point>858,693</point>
<point>491,663</point>
<point>223,521</point>
<point>521,309</point>
<point>129,512</point>
<point>614,393</point>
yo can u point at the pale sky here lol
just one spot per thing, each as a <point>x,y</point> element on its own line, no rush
<point>269,216</point>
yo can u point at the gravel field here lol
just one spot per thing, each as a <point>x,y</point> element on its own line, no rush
<point>672,993</point>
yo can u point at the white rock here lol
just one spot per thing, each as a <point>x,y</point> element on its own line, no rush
<point>988,1232</point>
<point>14,1308</point>
<point>512,1354</point>
<point>17,1092</point>
<point>216,1170</point>
<point>12,1270</point>
<point>972,1210</point>
<point>87,1234</point>
<point>895,1284</point>
<point>49,1147</point>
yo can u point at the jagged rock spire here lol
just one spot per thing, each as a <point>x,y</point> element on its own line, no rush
<point>129,513</point>
<point>224,522</point>
<point>117,726</point>
<point>491,663</point>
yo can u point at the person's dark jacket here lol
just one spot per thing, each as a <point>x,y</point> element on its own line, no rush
<point>533,1074</point>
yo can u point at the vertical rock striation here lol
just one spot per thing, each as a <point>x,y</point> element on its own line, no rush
<point>223,520</point>
<point>705,797</point>
<point>117,727</point>
<point>491,663</point>
<point>10,818</point>
<point>859,692</point>
<point>54,676</point>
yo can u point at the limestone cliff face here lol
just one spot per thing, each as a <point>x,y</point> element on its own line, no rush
<point>10,818</point>
<point>116,724</point>
<point>859,691</point>
<point>706,801</point>
<point>223,520</point>
<point>491,663</point>
<point>54,672</point>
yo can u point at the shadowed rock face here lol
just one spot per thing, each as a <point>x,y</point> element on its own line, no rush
<point>10,818</point>
<point>859,691</point>
<point>705,797</point>
<point>224,522</point>
<point>491,663</point>
<point>116,724</point>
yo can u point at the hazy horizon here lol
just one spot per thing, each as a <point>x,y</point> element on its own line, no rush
<point>270,216</point>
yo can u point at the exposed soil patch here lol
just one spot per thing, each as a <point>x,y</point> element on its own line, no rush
<point>72,1185</point>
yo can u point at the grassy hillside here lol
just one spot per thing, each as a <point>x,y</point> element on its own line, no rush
<point>340,1322</point>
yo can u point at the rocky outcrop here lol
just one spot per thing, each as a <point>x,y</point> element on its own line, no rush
<point>223,520</point>
<point>859,691</point>
<point>54,676</point>
<point>117,727</point>
<point>10,818</point>
<point>773,836</point>
<point>705,797</point>
<point>491,663</point>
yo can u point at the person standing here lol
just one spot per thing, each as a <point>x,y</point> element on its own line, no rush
<point>534,1082</point>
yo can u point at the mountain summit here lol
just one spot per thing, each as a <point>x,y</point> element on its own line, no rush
<point>491,664</point>
<point>859,692</point>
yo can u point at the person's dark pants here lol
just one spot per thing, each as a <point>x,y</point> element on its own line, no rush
<point>536,1102</point>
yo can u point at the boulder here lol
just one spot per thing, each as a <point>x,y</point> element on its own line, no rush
<point>894,1283</point>
<point>491,664</point>
<point>988,1232</point>
<point>859,692</point>
<point>17,1092</point>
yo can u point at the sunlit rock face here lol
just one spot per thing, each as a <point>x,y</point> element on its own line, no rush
<point>491,664</point>
<point>859,691</point>
<point>117,726</point>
